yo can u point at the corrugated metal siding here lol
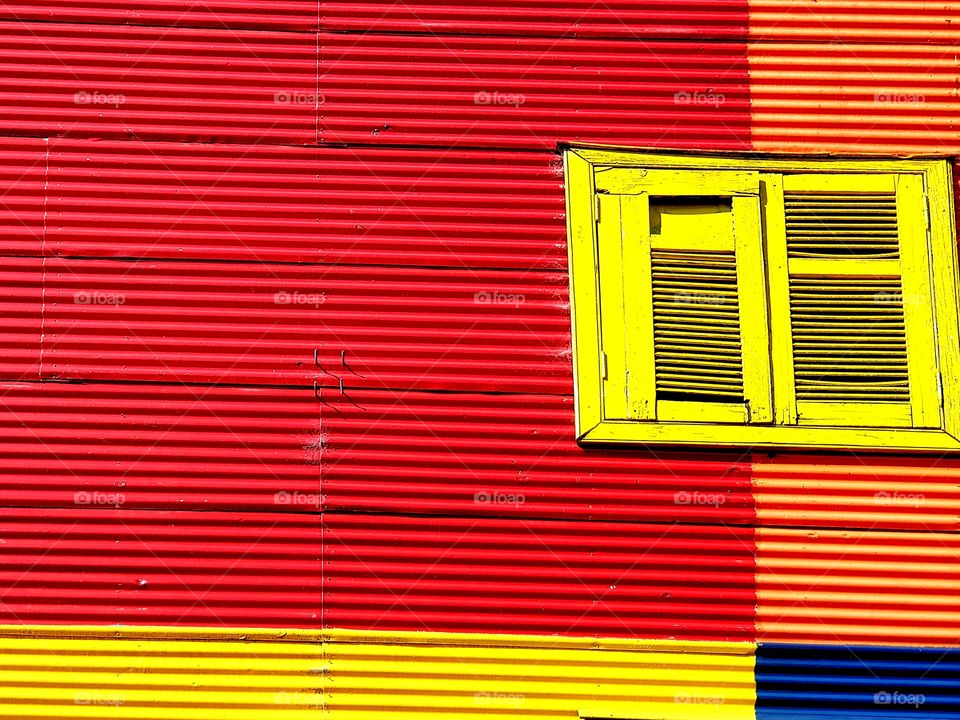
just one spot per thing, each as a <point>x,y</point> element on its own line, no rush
<point>21,298</point>
<point>913,493</point>
<point>797,681</point>
<point>531,93</point>
<point>889,98</point>
<point>858,587</point>
<point>260,324</point>
<point>431,453</point>
<point>176,84</point>
<point>91,564</point>
<point>624,19</point>
<point>163,447</point>
<point>68,673</point>
<point>350,205</point>
<point>524,576</point>
<point>22,195</point>
<point>254,14</point>
<point>476,676</point>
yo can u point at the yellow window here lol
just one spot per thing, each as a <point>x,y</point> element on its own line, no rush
<point>747,301</point>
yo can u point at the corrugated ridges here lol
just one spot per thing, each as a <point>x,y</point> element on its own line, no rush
<point>865,587</point>
<point>410,207</point>
<point>531,576</point>
<point>574,18</point>
<point>158,674</point>
<point>94,565</point>
<point>532,93</point>
<point>476,330</point>
<point>883,98</point>
<point>22,194</point>
<point>21,298</point>
<point>176,448</point>
<point>251,14</point>
<point>412,452</point>
<point>375,674</point>
<point>804,681</point>
<point>913,493</point>
<point>893,21</point>
<point>152,83</point>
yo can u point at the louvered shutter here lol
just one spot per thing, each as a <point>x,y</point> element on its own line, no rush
<point>851,289</point>
<point>683,300</point>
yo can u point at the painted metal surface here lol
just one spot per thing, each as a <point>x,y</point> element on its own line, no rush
<point>22,195</point>
<point>373,674</point>
<point>532,93</point>
<point>857,587</point>
<point>100,563</point>
<point>429,453</point>
<point>834,683</point>
<point>564,578</point>
<point>219,14</point>
<point>279,204</point>
<point>158,674</point>
<point>21,297</point>
<point>575,18</point>
<point>162,447</point>
<point>175,84</point>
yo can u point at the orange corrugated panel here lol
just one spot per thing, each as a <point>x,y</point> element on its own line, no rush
<point>858,587</point>
<point>469,574</point>
<point>137,82</point>
<point>879,98</point>
<point>858,492</point>
<point>575,18</point>
<point>255,324</point>
<point>163,447</point>
<point>531,93</point>
<point>97,563</point>
<point>279,204</point>
<point>476,454</point>
<point>254,14</point>
<point>21,300</point>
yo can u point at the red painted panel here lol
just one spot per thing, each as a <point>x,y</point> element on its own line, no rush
<point>125,81</point>
<point>465,454</point>
<point>163,447</point>
<point>270,14</point>
<point>22,190</point>
<point>260,324</point>
<point>530,576</point>
<point>627,19</point>
<point>21,300</point>
<point>92,565</point>
<point>532,93</point>
<point>367,205</point>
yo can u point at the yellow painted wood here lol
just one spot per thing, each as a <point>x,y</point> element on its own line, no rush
<point>681,182</point>
<point>839,182</point>
<point>612,315</point>
<point>638,303</point>
<point>429,675</point>
<point>852,267</point>
<point>709,222</point>
<point>866,414</point>
<point>191,674</point>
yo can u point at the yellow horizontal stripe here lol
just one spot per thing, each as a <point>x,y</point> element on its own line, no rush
<point>463,675</point>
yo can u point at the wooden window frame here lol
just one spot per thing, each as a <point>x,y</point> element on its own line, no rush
<point>593,172</point>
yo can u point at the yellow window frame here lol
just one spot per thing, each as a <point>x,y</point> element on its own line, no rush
<point>615,406</point>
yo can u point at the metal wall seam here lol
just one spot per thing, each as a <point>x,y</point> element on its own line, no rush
<point>124,81</point>
<point>857,587</point>
<point>474,676</point>
<point>433,453</point>
<point>568,578</point>
<point>172,447</point>
<point>531,93</point>
<point>910,493</point>
<point>333,205</point>
<point>623,19</point>
<point>299,325</point>
<point>894,99</point>
<point>290,15</point>
<point>21,300</point>
<point>97,563</point>
<point>83,672</point>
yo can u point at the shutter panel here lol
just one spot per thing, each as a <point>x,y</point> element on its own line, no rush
<point>857,292</point>
<point>694,343</point>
